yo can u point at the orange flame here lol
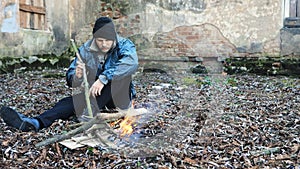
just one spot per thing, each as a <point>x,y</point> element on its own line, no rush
<point>126,126</point>
<point>115,123</point>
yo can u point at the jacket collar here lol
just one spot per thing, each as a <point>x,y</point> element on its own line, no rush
<point>93,46</point>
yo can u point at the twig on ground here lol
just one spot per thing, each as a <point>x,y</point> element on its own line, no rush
<point>100,117</point>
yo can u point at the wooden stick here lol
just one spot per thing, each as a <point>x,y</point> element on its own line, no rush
<point>266,151</point>
<point>101,117</point>
<point>86,84</point>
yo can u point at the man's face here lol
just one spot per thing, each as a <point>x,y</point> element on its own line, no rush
<point>104,44</point>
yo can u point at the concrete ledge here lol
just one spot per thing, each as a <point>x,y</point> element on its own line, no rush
<point>26,42</point>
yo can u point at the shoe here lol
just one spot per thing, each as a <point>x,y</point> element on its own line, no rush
<point>18,120</point>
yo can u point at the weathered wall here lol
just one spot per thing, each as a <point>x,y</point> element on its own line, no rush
<point>16,42</point>
<point>82,14</point>
<point>65,19</point>
<point>59,24</point>
<point>162,28</point>
<point>290,41</point>
<point>205,28</point>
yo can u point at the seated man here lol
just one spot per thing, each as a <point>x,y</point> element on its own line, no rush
<point>110,61</point>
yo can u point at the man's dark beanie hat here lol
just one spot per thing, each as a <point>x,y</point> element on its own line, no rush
<point>104,28</point>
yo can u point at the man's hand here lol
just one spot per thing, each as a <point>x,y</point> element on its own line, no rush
<point>79,69</point>
<point>96,88</point>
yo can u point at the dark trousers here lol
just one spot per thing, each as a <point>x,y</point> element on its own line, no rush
<point>114,94</point>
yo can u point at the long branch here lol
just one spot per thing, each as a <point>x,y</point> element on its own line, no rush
<point>85,81</point>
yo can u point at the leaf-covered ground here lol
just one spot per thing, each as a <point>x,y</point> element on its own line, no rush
<point>194,121</point>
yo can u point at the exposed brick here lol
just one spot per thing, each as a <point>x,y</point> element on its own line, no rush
<point>192,37</point>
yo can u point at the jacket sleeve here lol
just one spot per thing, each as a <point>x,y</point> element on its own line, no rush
<point>72,81</point>
<point>126,64</point>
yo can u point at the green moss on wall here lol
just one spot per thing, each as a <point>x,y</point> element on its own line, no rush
<point>11,64</point>
<point>263,66</point>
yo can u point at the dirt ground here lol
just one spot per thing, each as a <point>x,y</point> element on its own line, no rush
<point>194,121</point>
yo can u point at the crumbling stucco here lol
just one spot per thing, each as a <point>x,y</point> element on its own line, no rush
<point>64,18</point>
<point>218,28</point>
<point>252,27</point>
<point>204,40</point>
<point>290,41</point>
<point>10,18</point>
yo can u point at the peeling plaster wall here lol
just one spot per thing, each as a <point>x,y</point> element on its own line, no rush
<point>82,14</point>
<point>224,28</point>
<point>65,19</point>
<point>198,28</point>
<point>58,17</point>
<point>290,42</point>
<point>10,18</point>
<point>17,42</point>
<point>248,22</point>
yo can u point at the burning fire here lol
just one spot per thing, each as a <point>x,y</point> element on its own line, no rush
<point>126,126</point>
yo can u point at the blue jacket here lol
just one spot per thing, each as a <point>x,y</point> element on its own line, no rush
<point>120,62</point>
